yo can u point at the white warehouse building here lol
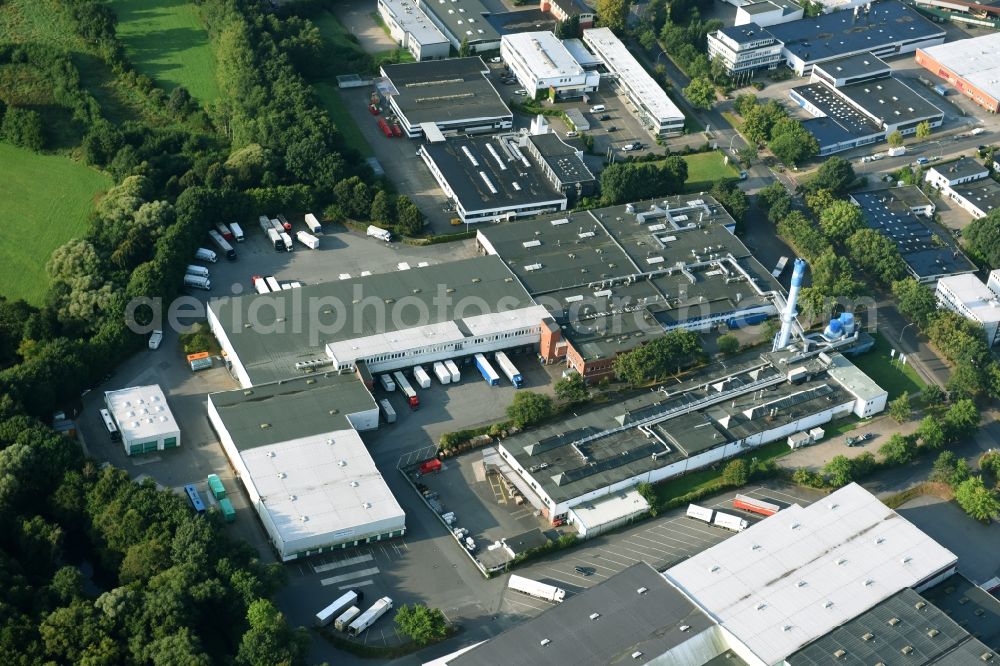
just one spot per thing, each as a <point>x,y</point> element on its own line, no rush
<point>977,302</point>
<point>143,418</point>
<point>410,27</point>
<point>296,449</point>
<point>541,63</point>
<point>389,320</point>
<point>654,108</point>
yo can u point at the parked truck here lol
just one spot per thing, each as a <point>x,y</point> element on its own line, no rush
<point>285,224</point>
<point>404,387</point>
<point>224,231</point>
<point>272,283</point>
<point>370,616</point>
<point>204,254</point>
<point>535,589</point>
<point>730,522</point>
<point>222,244</point>
<point>275,238</point>
<point>308,240</point>
<point>700,513</point>
<point>237,232</point>
<point>442,373</point>
<point>287,240</point>
<point>198,282</point>
<point>456,376</point>
<point>196,270</point>
<point>754,505</point>
<point>423,379</point>
<point>260,284</point>
<point>314,226</point>
<point>486,370</point>
<point>330,613</point>
<point>345,618</point>
<point>387,411</point>
<point>215,485</point>
<point>381,234</point>
<point>265,223</point>
<point>387,383</point>
<point>508,369</point>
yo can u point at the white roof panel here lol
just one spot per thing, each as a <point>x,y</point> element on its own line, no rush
<point>141,412</point>
<point>544,54</point>
<point>974,59</point>
<point>801,572</point>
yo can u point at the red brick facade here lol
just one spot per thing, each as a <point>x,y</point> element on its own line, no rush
<point>977,95</point>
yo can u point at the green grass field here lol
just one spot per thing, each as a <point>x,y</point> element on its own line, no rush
<point>704,169</point>
<point>44,201</point>
<point>38,22</point>
<point>166,41</point>
<point>708,479</point>
<point>888,373</point>
<point>341,117</point>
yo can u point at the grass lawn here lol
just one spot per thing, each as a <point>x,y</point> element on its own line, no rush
<point>50,196</point>
<point>341,117</point>
<point>167,41</point>
<point>704,169</point>
<point>38,22</point>
<point>709,478</point>
<point>888,373</point>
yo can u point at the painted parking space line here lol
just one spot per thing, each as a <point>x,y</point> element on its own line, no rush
<point>572,574</point>
<point>664,541</point>
<point>350,561</point>
<point>654,550</point>
<point>357,574</point>
<point>643,557</point>
<point>605,553</point>
<point>518,602</point>
<point>399,552</point>
<point>351,586</point>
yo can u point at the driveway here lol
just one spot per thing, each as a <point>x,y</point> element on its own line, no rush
<point>356,17</point>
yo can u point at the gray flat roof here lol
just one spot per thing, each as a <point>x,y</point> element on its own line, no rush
<point>465,19</point>
<point>746,33</point>
<point>852,66</point>
<point>891,100</point>
<point>413,20</point>
<point>851,122</point>
<point>963,167</point>
<point>445,90</point>
<point>269,349</point>
<point>839,33</point>
<point>292,409</point>
<point>561,158</point>
<point>926,253</point>
<point>977,611</point>
<point>902,630</point>
<point>648,622</point>
<point>984,193</point>
<point>493,162</point>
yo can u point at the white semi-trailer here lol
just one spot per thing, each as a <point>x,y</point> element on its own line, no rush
<point>314,226</point>
<point>535,589</point>
<point>456,376</point>
<point>442,373</point>
<point>700,513</point>
<point>331,612</point>
<point>423,379</point>
<point>308,240</point>
<point>370,616</point>
<point>730,522</point>
<point>287,240</point>
<point>345,619</point>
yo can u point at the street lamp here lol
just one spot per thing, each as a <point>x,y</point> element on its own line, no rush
<point>902,333</point>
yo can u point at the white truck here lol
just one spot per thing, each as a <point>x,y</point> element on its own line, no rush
<point>535,589</point>
<point>423,379</point>
<point>730,522</point>
<point>272,283</point>
<point>260,284</point>
<point>370,616</point>
<point>196,270</point>
<point>237,232</point>
<point>509,369</point>
<point>198,282</point>
<point>700,513</point>
<point>379,233</point>
<point>314,226</point>
<point>308,240</point>
<point>442,373</point>
<point>456,376</point>
<point>287,240</point>
<point>387,411</point>
<point>275,239</point>
<point>345,619</point>
<point>328,614</point>
<point>387,383</point>
<point>204,254</point>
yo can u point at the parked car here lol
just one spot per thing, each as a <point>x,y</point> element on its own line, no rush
<point>571,134</point>
<point>605,116</point>
<point>520,91</point>
<point>598,108</point>
<point>155,339</point>
<point>612,128</point>
<point>583,571</point>
<point>858,440</point>
<point>496,60</point>
<point>628,147</point>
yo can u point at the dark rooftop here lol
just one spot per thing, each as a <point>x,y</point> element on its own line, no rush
<point>977,611</point>
<point>926,253</point>
<point>561,158</point>
<point>445,90</point>
<point>984,193</point>
<point>890,100</point>
<point>839,33</point>
<point>746,33</point>
<point>851,122</point>
<point>638,613</point>
<point>828,132</point>
<point>903,630</point>
<point>491,172</point>
<point>522,20</point>
<point>963,167</point>
<point>853,66</point>
<point>463,19</point>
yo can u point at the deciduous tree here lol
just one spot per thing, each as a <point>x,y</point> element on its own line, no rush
<point>422,624</point>
<point>977,500</point>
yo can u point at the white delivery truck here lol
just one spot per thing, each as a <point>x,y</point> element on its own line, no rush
<point>700,513</point>
<point>237,232</point>
<point>196,270</point>
<point>387,383</point>
<point>345,619</point>
<point>730,522</point>
<point>387,411</point>
<point>198,282</point>
<point>370,616</point>
<point>328,614</point>
<point>456,376</point>
<point>442,373</point>
<point>423,379</point>
<point>287,240</point>
<point>275,239</point>
<point>260,284</point>
<point>204,254</point>
<point>308,240</point>
<point>535,589</point>
<point>381,234</point>
<point>222,244</point>
<point>272,283</point>
<point>314,226</point>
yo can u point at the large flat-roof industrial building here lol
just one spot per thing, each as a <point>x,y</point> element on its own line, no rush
<point>463,21</point>
<point>410,27</point>
<point>977,302</point>
<point>967,183</point>
<point>973,14</point>
<point>542,65</point>
<point>971,66</point>
<point>451,96</point>
<point>296,449</point>
<point>928,257</point>
<point>495,178</point>
<point>855,101</point>
<point>390,320</point>
<point>653,107</point>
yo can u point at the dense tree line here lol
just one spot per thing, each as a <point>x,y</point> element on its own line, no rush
<point>982,239</point>
<point>664,355</point>
<point>769,124</point>
<point>634,181</point>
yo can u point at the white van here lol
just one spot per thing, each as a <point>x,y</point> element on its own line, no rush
<point>197,281</point>
<point>196,270</point>
<point>237,232</point>
<point>598,108</point>
<point>203,254</point>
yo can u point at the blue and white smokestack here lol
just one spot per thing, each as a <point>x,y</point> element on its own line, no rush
<point>788,316</point>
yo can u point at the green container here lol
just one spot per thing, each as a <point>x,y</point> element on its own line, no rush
<point>215,485</point>
<point>228,512</point>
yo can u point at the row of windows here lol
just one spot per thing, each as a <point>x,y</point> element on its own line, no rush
<point>455,346</point>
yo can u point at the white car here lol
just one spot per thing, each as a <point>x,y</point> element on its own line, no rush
<point>520,91</point>
<point>496,60</point>
<point>571,134</point>
<point>155,339</point>
<point>598,108</point>
<point>628,147</point>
